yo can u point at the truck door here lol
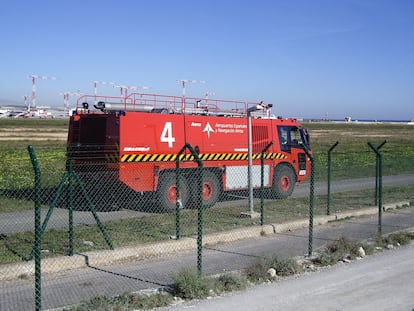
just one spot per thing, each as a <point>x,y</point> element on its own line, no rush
<point>291,140</point>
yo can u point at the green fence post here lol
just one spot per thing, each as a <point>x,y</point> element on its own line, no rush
<point>49,212</point>
<point>377,172</point>
<point>311,199</point>
<point>71,234</point>
<point>328,205</point>
<point>178,203</point>
<point>199,202</point>
<point>262,158</point>
<point>379,190</point>
<point>93,211</point>
<point>38,235</point>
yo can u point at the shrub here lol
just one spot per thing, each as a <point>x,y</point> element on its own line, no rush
<point>282,266</point>
<point>340,248</point>
<point>230,282</point>
<point>188,284</point>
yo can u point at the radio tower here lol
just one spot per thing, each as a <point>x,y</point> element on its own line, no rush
<point>206,94</point>
<point>95,87</point>
<point>66,96</point>
<point>34,77</point>
<point>126,88</point>
<point>25,97</point>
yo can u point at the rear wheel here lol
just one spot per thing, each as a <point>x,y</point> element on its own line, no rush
<point>284,181</point>
<point>167,191</point>
<point>211,189</point>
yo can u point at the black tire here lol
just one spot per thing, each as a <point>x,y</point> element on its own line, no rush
<point>284,181</point>
<point>211,189</point>
<point>166,192</point>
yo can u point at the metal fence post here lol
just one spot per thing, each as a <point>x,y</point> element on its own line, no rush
<point>71,233</point>
<point>38,235</point>
<point>178,204</point>
<point>93,211</point>
<point>199,202</point>
<point>262,158</point>
<point>328,205</point>
<point>378,191</point>
<point>311,199</point>
<point>377,172</point>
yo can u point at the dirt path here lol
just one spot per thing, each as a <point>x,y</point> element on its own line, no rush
<point>37,134</point>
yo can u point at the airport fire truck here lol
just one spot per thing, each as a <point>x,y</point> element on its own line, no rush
<point>137,138</point>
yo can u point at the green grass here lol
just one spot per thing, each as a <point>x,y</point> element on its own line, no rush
<point>54,124</point>
<point>125,301</point>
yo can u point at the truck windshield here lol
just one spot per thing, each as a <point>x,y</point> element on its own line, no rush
<point>292,137</point>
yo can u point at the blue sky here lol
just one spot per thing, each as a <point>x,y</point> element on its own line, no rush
<point>310,59</point>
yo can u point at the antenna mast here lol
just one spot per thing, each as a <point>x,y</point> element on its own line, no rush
<point>34,77</point>
<point>66,96</point>
<point>95,87</point>
<point>183,82</point>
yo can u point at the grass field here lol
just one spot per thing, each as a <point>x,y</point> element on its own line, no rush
<point>351,158</point>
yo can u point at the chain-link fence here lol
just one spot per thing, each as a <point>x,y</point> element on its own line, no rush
<point>59,216</point>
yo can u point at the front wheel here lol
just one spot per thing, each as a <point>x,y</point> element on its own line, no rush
<point>167,192</point>
<point>284,181</point>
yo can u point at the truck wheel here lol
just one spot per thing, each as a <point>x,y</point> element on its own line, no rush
<point>211,189</point>
<point>166,192</point>
<point>284,181</point>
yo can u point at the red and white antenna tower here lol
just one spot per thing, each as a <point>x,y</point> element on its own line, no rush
<point>34,77</point>
<point>66,96</point>
<point>95,87</point>
<point>183,82</point>
<point>25,97</point>
<point>206,95</point>
<point>124,89</point>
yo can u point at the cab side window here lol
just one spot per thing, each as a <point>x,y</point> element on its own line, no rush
<point>289,136</point>
<point>284,138</point>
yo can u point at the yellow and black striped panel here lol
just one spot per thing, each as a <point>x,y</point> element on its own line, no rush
<point>203,156</point>
<point>111,154</point>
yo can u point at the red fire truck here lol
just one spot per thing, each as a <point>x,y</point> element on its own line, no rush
<point>137,138</point>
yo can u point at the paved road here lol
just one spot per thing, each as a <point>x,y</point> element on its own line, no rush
<point>83,284</point>
<point>381,282</point>
<point>24,221</point>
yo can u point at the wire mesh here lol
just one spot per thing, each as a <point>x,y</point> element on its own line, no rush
<point>142,226</point>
